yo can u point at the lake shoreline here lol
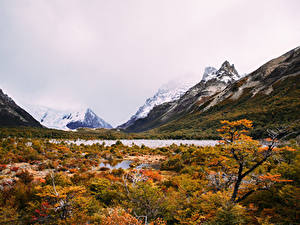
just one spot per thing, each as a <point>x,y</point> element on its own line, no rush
<point>151,143</point>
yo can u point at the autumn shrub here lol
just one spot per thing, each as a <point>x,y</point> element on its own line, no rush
<point>25,176</point>
<point>59,179</point>
<point>118,216</point>
<point>81,178</point>
<point>23,194</point>
<point>58,205</point>
<point>229,214</point>
<point>42,166</point>
<point>118,172</point>
<point>146,199</point>
<point>174,163</point>
<point>73,170</point>
<point>2,167</point>
<point>54,164</point>
<point>9,215</point>
<point>62,168</point>
<point>14,169</point>
<point>188,170</point>
<point>152,174</point>
<point>106,191</point>
<point>33,155</point>
<point>212,208</point>
<point>83,168</point>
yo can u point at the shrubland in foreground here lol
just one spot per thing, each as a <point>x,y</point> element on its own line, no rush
<point>239,181</point>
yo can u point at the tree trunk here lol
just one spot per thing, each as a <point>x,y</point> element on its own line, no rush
<point>237,183</point>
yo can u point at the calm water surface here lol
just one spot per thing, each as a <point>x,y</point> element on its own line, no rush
<point>148,143</point>
<point>125,164</point>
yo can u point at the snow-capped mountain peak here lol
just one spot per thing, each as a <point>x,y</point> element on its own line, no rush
<point>65,120</point>
<point>227,73</point>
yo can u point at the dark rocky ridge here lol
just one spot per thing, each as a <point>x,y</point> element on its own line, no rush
<point>11,115</point>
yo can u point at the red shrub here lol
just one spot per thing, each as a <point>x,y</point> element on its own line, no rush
<point>2,167</point>
<point>14,168</point>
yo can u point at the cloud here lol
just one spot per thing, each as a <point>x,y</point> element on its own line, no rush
<point>112,55</point>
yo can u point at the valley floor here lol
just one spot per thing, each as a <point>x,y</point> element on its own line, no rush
<point>42,182</point>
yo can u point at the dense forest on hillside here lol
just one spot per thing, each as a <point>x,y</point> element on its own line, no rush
<point>238,181</point>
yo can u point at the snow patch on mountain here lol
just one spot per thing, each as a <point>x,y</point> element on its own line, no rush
<point>171,91</point>
<point>209,73</point>
<point>166,93</point>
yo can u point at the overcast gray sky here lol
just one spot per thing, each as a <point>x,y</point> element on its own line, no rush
<point>112,55</point>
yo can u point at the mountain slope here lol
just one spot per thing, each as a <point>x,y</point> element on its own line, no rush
<point>167,93</point>
<point>213,81</point>
<point>269,96</point>
<point>12,115</point>
<point>65,120</point>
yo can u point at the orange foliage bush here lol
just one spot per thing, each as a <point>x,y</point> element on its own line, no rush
<point>152,174</point>
<point>119,216</point>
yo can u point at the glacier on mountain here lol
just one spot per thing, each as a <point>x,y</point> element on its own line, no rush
<point>164,94</point>
<point>65,120</point>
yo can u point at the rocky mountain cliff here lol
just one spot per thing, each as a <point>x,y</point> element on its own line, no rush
<point>65,120</point>
<point>11,115</point>
<point>213,81</point>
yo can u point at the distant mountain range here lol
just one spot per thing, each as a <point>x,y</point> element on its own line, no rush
<point>12,115</point>
<point>65,120</point>
<point>269,96</point>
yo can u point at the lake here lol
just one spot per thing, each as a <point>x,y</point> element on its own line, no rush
<point>148,143</point>
<point>125,164</point>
